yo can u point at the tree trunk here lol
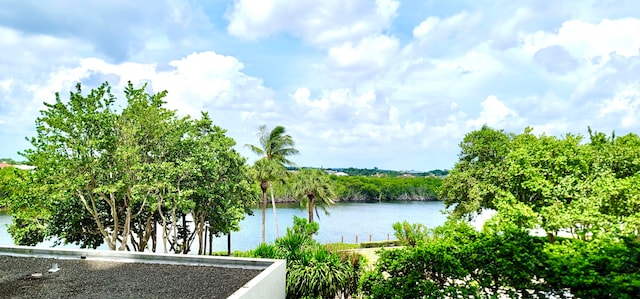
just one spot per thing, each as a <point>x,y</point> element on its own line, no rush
<point>211,242</point>
<point>273,204</point>
<point>310,206</point>
<point>200,228</point>
<point>185,246</point>
<point>264,186</point>
<point>552,237</point>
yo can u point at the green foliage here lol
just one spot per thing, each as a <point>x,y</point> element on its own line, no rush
<point>268,251</point>
<point>595,269</point>
<point>27,205</point>
<point>351,171</point>
<point>10,161</point>
<point>341,246</point>
<point>302,227</point>
<point>313,270</point>
<point>554,183</point>
<point>377,244</point>
<point>7,177</point>
<point>115,177</point>
<point>410,234</point>
<point>360,188</point>
<point>275,148</point>
<point>457,260</point>
<point>314,189</point>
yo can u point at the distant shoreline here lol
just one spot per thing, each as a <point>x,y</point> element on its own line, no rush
<point>285,200</point>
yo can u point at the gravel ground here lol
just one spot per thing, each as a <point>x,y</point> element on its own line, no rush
<point>100,279</point>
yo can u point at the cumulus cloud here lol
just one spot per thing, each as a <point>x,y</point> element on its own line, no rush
<point>323,23</point>
<point>623,106</point>
<point>343,106</point>
<point>496,114</point>
<point>446,37</point>
<point>200,81</point>
<point>364,60</point>
<point>585,40</point>
<point>116,30</point>
<point>353,82</point>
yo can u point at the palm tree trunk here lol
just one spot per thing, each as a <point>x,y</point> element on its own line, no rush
<point>273,204</point>
<point>264,213</point>
<point>310,206</point>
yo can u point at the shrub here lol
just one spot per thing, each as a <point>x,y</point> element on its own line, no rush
<point>268,251</point>
<point>457,261</point>
<point>410,234</point>
<point>376,244</point>
<point>340,246</point>
<point>313,271</point>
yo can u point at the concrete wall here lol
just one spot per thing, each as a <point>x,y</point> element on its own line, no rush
<point>270,283</point>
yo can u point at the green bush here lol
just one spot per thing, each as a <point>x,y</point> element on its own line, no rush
<point>458,261</point>
<point>595,269</point>
<point>376,244</point>
<point>341,246</point>
<point>313,271</point>
<point>268,251</point>
<point>410,234</point>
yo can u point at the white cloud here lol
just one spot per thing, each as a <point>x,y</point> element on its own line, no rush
<point>587,41</point>
<point>445,37</point>
<point>322,23</point>
<point>624,106</point>
<point>197,82</point>
<point>366,59</point>
<point>495,114</point>
<point>362,83</point>
<point>342,106</point>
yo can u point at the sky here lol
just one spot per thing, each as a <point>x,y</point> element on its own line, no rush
<point>359,83</point>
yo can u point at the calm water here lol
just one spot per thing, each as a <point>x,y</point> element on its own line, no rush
<point>345,222</point>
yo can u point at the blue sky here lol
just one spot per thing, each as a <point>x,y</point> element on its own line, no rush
<point>388,84</point>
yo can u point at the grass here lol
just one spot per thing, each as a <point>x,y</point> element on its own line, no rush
<point>371,253</point>
<point>236,253</point>
<point>340,246</point>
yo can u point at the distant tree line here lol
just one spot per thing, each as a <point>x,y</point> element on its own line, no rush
<point>371,188</point>
<point>360,188</point>
<point>383,172</point>
<point>9,161</point>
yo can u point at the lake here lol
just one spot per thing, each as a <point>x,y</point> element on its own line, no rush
<point>345,222</point>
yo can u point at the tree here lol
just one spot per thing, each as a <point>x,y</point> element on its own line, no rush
<point>21,195</point>
<point>264,171</point>
<point>313,188</point>
<point>555,183</point>
<point>476,178</point>
<point>112,177</point>
<point>275,146</point>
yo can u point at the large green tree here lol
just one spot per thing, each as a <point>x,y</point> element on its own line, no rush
<point>314,189</point>
<point>276,146</point>
<point>122,177</point>
<point>555,183</point>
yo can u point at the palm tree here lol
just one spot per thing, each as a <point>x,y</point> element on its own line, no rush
<point>313,188</point>
<point>265,171</point>
<point>275,146</point>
